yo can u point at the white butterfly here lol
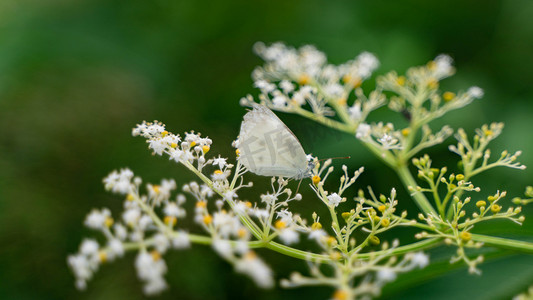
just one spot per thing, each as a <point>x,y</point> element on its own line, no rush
<point>269,148</point>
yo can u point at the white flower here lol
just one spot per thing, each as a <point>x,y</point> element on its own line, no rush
<point>89,247</point>
<point>330,73</point>
<point>161,242</point>
<point>261,213</point>
<point>180,199</point>
<point>386,275</point>
<point>120,231</point>
<point>334,90</point>
<point>240,208</point>
<point>419,260</point>
<point>191,137</point>
<point>96,218</point>
<point>82,268</point>
<point>136,236</point>
<point>285,216</point>
<point>355,111</point>
<point>226,224</point>
<point>317,235</point>
<point>229,195</point>
<point>286,86</point>
<point>155,287</point>
<point>241,247</point>
<point>334,199</point>
<point>264,86</point>
<point>299,98</point>
<point>363,131</point>
<point>254,267</point>
<point>389,142</point>
<point>166,187</point>
<point>181,240</point>
<point>385,139</point>
<point>312,57</point>
<point>221,162</point>
<point>206,191</point>
<point>151,271</point>
<point>116,247</point>
<point>220,176</point>
<point>144,222</point>
<point>187,156</point>
<point>177,155</point>
<point>302,94</point>
<point>475,92</point>
<point>443,66</point>
<point>149,130</point>
<point>289,236</point>
<point>269,199</point>
<point>279,101</point>
<point>223,248</point>
<point>173,210</point>
<point>158,145</point>
<point>119,182</point>
<point>367,63</point>
<point>131,216</point>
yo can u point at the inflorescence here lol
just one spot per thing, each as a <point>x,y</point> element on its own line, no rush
<point>300,81</point>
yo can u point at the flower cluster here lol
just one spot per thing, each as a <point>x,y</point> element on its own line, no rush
<point>138,228</point>
<point>234,227</point>
<point>362,277</point>
<point>452,222</point>
<point>350,252</point>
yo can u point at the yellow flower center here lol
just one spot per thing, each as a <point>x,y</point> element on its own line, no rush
<point>170,220</point>
<point>208,219</point>
<point>400,80</point>
<point>102,256</point>
<point>316,226</point>
<point>280,224</point>
<point>108,222</point>
<point>340,295</point>
<point>465,236</point>
<point>448,96</point>
<point>155,255</point>
<point>304,79</point>
<point>156,189</point>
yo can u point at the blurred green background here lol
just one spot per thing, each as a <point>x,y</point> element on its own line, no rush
<point>76,76</point>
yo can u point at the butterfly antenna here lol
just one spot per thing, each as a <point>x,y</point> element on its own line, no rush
<point>345,157</point>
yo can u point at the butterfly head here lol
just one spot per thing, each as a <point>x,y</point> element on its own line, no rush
<point>307,172</point>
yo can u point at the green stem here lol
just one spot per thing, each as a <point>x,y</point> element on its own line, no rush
<point>247,221</point>
<point>296,253</point>
<point>417,246</point>
<point>407,179</point>
<point>385,156</point>
<point>289,251</point>
<point>503,243</point>
<point>350,129</point>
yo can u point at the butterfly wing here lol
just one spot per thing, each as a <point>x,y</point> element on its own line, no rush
<point>268,147</point>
